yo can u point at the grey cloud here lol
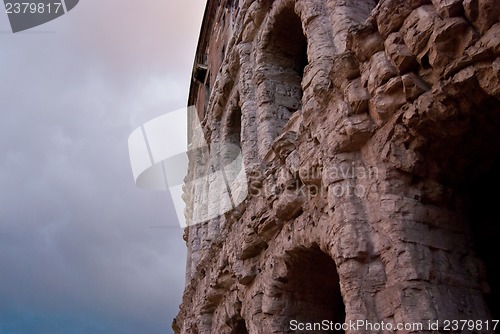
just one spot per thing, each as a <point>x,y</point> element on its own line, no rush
<point>77,251</point>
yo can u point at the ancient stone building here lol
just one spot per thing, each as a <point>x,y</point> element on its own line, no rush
<point>370,134</point>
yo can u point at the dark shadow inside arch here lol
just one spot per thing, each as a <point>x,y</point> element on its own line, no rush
<point>478,160</point>
<point>288,45</point>
<point>240,328</point>
<point>484,219</point>
<point>312,290</point>
<point>234,126</point>
<point>285,58</point>
<point>231,150</point>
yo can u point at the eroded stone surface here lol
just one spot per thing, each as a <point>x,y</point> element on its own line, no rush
<point>369,136</point>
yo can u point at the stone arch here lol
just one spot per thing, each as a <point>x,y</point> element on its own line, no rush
<point>285,44</point>
<point>314,286</point>
<point>304,287</point>
<point>461,179</point>
<point>480,183</point>
<point>232,128</point>
<point>234,125</point>
<point>484,218</point>
<point>241,327</point>
<point>281,60</point>
<point>234,325</point>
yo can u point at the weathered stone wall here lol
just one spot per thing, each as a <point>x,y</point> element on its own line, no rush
<point>369,133</point>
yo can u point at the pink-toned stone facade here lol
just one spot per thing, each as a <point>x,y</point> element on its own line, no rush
<point>370,133</point>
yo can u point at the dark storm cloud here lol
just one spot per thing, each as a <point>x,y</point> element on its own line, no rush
<point>77,251</point>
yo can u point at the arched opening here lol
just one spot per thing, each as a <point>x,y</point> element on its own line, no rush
<point>475,162</point>
<point>284,58</point>
<point>312,290</point>
<point>240,328</point>
<point>484,219</point>
<point>287,48</point>
<point>231,150</point>
<point>234,126</point>
<point>482,197</point>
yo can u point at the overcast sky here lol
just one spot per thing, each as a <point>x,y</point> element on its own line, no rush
<point>82,249</point>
